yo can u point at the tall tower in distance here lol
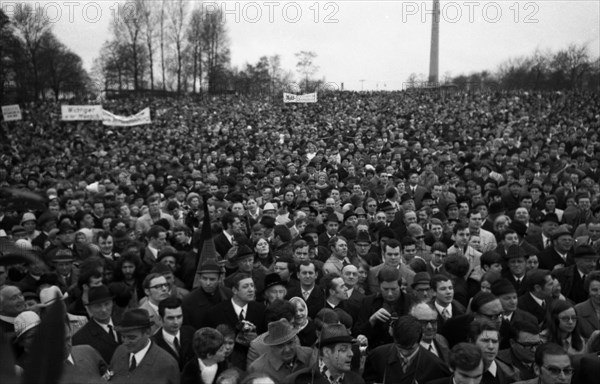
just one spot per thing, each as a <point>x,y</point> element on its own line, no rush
<point>434,53</point>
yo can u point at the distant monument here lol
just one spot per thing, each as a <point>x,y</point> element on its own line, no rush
<point>434,54</point>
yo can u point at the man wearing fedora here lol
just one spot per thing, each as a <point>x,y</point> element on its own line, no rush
<point>100,331</point>
<point>285,355</point>
<point>334,361</point>
<point>244,259</point>
<point>275,288</point>
<point>560,253</point>
<point>571,278</point>
<point>62,262</point>
<point>138,359</point>
<point>200,301</point>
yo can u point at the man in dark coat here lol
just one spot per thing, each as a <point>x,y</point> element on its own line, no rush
<point>571,278</point>
<point>198,303</point>
<point>560,252</point>
<point>538,298</point>
<point>100,331</point>
<point>523,339</point>
<point>466,363</point>
<point>404,361</point>
<point>174,337</point>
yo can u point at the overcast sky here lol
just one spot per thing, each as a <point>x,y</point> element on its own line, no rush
<point>380,42</point>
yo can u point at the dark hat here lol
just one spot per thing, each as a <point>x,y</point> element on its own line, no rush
<point>99,294</point>
<point>64,227</point>
<point>310,228</point>
<point>120,235</point>
<point>47,217</point>
<point>62,255</point>
<point>451,204</point>
<point>551,217</point>
<point>585,250</point>
<point>514,252</point>
<point>334,334</point>
<point>519,227</point>
<point>427,196</point>
<point>405,197</point>
<point>349,214</point>
<point>333,218</point>
<point>560,231</point>
<point>167,251</point>
<point>268,221</point>
<point>243,251</point>
<point>135,319</point>
<point>18,229</point>
<point>421,278</point>
<point>362,237</point>
<point>386,206</point>
<point>280,331</point>
<point>502,286</point>
<point>209,266</point>
<point>273,279</point>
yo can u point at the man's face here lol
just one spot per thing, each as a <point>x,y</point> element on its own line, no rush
<point>475,220</point>
<point>488,342</point>
<point>410,218</point>
<point>517,266</point>
<point>106,244</point>
<point>564,243</point>
<point>282,269</point>
<point>275,292</point>
<point>135,339</point>
<point>390,291</point>
<point>462,237</point>
<point>332,227</point>
<point>340,290</point>
<point>286,351</point>
<point>594,231</point>
<point>160,241</point>
<point>301,254</point>
<point>159,289</point>
<point>340,249</point>
<point>492,311</point>
<point>350,275</point>
<point>362,249</point>
<point>551,364</point>
<point>525,345</point>
<point>438,258</point>
<point>437,230</point>
<point>444,292</point>
<point>423,291</point>
<point>468,377</point>
<point>392,256</point>
<point>245,291</point>
<point>63,268</point>
<point>307,275</point>
<point>209,282</point>
<point>339,357</point>
<point>586,264</point>
<point>173,320</point>
<point>509,301</point>
<point>409,252</point>
<point>522,215</point>
<point>13,301</point>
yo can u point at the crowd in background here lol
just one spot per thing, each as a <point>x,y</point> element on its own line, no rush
<point>370,237</point>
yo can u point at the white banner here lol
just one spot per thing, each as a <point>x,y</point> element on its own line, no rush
<point>307,98</point>
<point>81,112</point>
<point>11,112</point>
<point>140,118</point>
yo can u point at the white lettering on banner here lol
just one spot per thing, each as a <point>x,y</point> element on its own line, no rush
<point>307,98</point>
<point>140,118</point>
<point>81,112</point>
<point>11,112</point>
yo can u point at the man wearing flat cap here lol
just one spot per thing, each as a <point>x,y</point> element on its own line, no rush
<point>571,278</point>
<point>285,355</point>
<point>198,303</point>
<point>138,359</point>
<point>335,356</point>
<point>560,253</point>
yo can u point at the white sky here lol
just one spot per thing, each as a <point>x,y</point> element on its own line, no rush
<point>380,42</point>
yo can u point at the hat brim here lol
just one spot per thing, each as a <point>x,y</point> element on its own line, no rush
<point>337,340</point>
<point>101,300</point>
<point>134,327</point>
<point>288,336</point>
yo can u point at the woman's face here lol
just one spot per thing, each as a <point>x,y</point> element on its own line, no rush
<point>532,262</point>
<point>567,320</point>
<point>262,247</point>
<point>362,274</point>
<point>301,312</point>
<point>251,205</point>
<point>81,238</point>
<point>486,286</point>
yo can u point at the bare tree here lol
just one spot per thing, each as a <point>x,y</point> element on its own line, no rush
<point>149,14</point>
<point>163,6</point>
<point>194,37</point>
<point>127,29</point>
<point>306,66</point>
<point>177,12</point>
<point>573,62</point>
<point>216,46</point>
<point>30,27</point>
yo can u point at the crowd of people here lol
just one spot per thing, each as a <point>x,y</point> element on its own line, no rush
<point>368,238</point>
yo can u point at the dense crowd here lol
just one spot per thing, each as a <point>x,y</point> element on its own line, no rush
<point>419,237</point>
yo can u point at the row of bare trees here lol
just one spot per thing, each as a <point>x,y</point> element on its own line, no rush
<point>34,64</point>
<point>163,45</point>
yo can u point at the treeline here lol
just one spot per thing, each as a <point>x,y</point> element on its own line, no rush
<point>177,46</point>
<point>34,64</point>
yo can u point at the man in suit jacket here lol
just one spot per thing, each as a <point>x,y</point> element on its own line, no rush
<point>335,347</point>
<point>174,337</point>
<point>355,297</point>
<point>524,337</point>
<point>538,298</point>
<point>443,302</point>
<point>586,313</point>
<point>384,365</point>
<point>241,309</point>
<point>391,258</point>
<point>560,253</point>
<point>308,289</point>
<point>100,331</point>
<point>83,364</point>
<point>139,360</point>
<point>157,238</point>
<point>571,278</point>
<point>224,240</point>
<point>431,340</point>
<point>157,289</point>
<point>199,302</point>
